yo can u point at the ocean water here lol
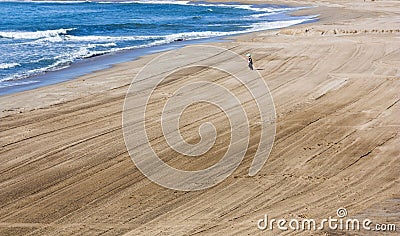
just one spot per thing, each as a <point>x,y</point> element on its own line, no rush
<point>39,37</point>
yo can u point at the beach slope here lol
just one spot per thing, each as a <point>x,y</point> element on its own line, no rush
<point>65,170</point>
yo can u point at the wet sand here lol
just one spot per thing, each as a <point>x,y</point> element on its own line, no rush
<point>65,170</point>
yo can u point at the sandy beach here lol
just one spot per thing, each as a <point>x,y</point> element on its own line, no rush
<point>65,169</point>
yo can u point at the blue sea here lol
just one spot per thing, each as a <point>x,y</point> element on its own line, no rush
<point>40,37</point>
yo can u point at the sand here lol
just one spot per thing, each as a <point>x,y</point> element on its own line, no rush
<point>65,170</point>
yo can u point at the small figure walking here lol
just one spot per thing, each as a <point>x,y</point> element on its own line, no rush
<point>250,60</point>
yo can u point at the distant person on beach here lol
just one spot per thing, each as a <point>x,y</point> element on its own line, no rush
<point>250,62</point>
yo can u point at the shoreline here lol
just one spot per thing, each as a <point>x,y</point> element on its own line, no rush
<point>96,63</point>
<point>65,169</point>
<point>78,79</point>
<point>101,62</point>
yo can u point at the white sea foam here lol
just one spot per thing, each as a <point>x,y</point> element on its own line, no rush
<point>94,38</point>
<point>275,24</point>
<point>263,14</point>
<point>239,6</point>
<point>12,84</point>
<point>35,34</point>
<point>209,34</point>
<point>82,53</point>
<point>146,2</point>
<point>55,1</point>
<point>20,76</point>
<point>106,45</point>
<point>8,65</point>
<point>162,2</point>
<point>61,61</point>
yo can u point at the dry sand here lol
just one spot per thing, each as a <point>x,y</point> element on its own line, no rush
<point>64,168</point>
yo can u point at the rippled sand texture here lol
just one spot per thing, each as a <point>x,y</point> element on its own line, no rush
<point>64,168</point>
